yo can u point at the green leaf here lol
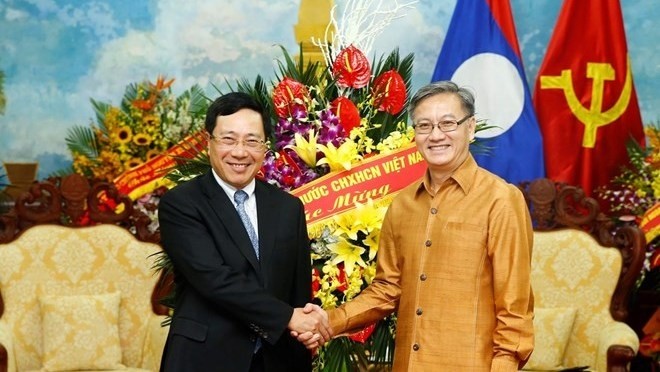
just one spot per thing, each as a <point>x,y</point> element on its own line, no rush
<point>480,145</point>
<point>164,268</point>
<point>101,109</point>
<point>380,345</point>
<point>199,102</point>
<point>341,355</point>
<point>194,163</point>
<point>62,172</point>
<point>130,95</point>
<point>82,140</point>
<point>305,73</point>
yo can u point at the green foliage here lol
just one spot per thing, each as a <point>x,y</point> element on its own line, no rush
<point>163,264</point>
<point>199,103</point>
<point>340,355</point>
<point>82,140</point>
<point>101,109</point>
<point>637,187</point>
<point>381,342</point>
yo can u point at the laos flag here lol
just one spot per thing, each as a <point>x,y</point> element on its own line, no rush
<point>481,53</point>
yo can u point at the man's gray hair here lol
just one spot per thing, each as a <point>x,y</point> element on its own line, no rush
<point>439,87</point>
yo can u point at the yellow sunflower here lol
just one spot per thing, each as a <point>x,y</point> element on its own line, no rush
<point>142,139</point>
<point>132,163</point>
<point>123,135</point>
<point>152,154</point>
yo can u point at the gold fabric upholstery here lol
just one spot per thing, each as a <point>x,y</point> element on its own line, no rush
<point>552,328</point>
<point>50,260</point>
<point>570,269</point>
<point>81,332</point>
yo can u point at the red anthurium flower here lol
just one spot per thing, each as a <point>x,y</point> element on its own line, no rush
<point>345,109</point>
<point>389,91</point>
<point>316,281</point>
<point>351,68</point>
<point>288,95</point>
<point>343,284</point>
<point>363,335</point>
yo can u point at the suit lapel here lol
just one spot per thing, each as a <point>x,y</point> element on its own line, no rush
<point>228,217</point>
<point>267,217</point>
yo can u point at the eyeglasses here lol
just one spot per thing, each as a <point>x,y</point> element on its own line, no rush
<point>227,143</point>
<point>426,127</point>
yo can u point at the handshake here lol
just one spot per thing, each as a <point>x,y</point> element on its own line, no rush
<point>310,326</point>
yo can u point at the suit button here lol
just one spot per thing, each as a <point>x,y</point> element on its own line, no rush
<point>253,338</point>
<point>434,210</point>
<point>415,347</point>
<point>428,243</point>
<point>419,311</point>
<point>422,277</point>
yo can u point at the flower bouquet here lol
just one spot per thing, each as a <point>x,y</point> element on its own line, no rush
<point>327,120</point>
<point>637,188</point>
<point>149,121</point>
<point>635,198</point>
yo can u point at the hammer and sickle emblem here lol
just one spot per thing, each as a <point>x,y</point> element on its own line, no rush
<point>594,117</point>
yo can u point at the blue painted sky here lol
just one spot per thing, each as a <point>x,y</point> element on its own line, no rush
<point>57,54</point>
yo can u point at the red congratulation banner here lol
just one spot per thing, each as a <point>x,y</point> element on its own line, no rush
<point>650,223</point>
<point>375,178</point>
<point>141,179</point>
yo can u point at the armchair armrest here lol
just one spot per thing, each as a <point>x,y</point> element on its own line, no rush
<point>617,346</point>
<point>154,342</point>
<point>7,358</point>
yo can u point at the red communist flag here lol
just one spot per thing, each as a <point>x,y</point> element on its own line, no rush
<point>585,97</point>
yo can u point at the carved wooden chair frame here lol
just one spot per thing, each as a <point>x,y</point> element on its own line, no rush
<point>73,202</point>
<point>555,205</point>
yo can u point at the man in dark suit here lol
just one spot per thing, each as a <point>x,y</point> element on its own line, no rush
<point>242,267</point>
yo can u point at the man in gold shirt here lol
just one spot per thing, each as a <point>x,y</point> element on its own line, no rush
<point>454,255</point>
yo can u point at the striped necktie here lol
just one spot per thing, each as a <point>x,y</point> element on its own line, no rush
<point>240,197</point>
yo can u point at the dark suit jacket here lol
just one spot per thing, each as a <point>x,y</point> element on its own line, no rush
<point>225,297</point>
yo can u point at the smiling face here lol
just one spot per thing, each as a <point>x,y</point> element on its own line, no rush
<point>443,152</point>
<point>237,165</point>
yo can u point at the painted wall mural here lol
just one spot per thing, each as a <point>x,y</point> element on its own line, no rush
<point>56,55</point>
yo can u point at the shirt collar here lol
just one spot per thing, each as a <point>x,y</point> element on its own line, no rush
<point>230,190</point>
<point>463,176</point>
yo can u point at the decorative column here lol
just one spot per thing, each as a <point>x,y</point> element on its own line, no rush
<point>313,19</point>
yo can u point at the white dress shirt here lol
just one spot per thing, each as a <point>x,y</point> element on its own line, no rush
<point>250,203</point>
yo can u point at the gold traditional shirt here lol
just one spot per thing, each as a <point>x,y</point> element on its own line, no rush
<point>456,267</point>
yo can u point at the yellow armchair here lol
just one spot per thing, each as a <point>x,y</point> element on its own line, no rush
<point>583,269</point>
<point>76,297</point>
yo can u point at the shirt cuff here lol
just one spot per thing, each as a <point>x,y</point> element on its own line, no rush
<point>337,320</point>
<point>504,364</point>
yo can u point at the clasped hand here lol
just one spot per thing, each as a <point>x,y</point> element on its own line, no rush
<point>310,326</point>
